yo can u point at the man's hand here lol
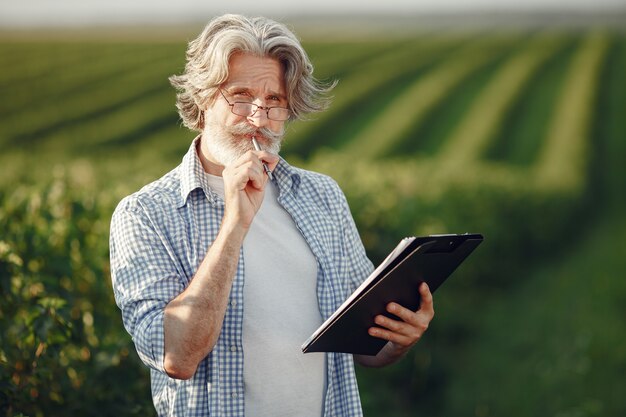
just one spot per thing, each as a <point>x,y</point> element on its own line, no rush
<point>244,186</point>
<point>401,334</point>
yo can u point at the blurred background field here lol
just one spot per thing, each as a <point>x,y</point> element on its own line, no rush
<point>516,131</point>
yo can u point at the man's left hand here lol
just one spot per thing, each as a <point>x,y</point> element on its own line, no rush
<point>404,333</point>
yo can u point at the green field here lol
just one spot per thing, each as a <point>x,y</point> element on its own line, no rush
<point>517,134</point>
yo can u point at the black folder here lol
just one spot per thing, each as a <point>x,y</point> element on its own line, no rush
<point>416,259</point>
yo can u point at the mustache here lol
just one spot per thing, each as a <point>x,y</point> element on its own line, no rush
<point>261,132</point>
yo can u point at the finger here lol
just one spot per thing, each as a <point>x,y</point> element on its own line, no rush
<point>403,313</point>
<point>387,323</point>
<point>390,336</point>
<point>401,333</point>
<point>243,174</point>
<point>426,303</point>
<point>242,170</point>
<point>426,307</point>
<point>256,175</point>
<point>268,158</point>
<point>263,157</point>
<point>410,321</point>
<point>413,323</point>
<point>412,328</point>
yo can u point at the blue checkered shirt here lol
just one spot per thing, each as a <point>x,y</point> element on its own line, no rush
<point>159,236</point>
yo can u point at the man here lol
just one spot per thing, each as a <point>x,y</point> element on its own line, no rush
<point>222,273</point>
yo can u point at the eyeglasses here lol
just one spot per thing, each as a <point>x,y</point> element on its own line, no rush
<point>242,108</point>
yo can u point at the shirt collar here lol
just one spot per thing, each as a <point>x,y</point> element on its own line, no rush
<point>286,177</point>
<point>192,176</point>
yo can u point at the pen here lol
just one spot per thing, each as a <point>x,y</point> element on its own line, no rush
<point>265,167</point>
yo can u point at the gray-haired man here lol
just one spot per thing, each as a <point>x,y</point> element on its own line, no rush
<point>220,273</point>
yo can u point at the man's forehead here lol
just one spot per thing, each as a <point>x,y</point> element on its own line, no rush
<point>252,71</point>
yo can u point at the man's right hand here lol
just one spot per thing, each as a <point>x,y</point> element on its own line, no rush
<point>244,187</point>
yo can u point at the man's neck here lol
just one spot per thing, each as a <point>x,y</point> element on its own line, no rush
<point>209,165</point>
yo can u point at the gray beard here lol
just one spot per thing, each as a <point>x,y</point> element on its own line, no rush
<point>225,145</point>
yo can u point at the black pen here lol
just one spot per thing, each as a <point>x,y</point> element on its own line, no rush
<point>265,167</point>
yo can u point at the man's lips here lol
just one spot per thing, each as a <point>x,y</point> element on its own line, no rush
<point>260,138</point>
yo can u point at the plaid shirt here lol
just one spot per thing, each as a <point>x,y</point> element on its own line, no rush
<point>160,235</point>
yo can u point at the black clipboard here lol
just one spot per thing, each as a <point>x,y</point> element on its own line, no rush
<point>416,259</point>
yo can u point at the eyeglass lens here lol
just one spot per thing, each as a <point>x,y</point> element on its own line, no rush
<point>249,109</point>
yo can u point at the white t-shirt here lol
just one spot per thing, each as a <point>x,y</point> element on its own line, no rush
<point>280,312</point>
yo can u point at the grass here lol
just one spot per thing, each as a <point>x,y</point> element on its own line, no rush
<point>609,124</point>
<point>556,345</point>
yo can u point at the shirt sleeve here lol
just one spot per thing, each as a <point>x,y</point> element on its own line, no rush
<point>357,264</point>
<point>144,278</point>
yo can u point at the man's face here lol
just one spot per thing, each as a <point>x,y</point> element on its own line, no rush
<point>227,136</point>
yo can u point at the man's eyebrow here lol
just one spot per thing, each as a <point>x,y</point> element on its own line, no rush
<point>240,88</point>
<point>235,87</point>
<point>279,95</point>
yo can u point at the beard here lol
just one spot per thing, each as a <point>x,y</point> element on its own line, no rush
<point>226,144</point>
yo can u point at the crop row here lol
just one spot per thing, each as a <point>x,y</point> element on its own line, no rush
<point>72,103</point>
<point>77,78</point>
<point>408,82</point>
<point>417,99</point>
<point>565,156</point>
<point>43,63</point>
<point>457,190</point>
<point>368,88</point>
<point>472,134</point>
<point>142,83</point>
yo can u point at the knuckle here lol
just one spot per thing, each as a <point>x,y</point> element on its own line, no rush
<point>423,326</point>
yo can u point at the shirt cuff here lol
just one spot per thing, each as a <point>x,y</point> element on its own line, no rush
<point>150,340</point>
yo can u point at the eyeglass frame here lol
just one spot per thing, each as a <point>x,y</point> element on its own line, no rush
<point>267,109</point>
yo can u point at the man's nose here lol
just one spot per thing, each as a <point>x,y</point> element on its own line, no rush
<point>259,118</point>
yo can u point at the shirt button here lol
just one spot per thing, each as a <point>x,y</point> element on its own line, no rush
<point>234,395</point>
<point>233,303</point>
<point>233,348</point>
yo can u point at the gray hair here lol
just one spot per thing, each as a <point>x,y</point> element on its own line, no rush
<point>208,57</point>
